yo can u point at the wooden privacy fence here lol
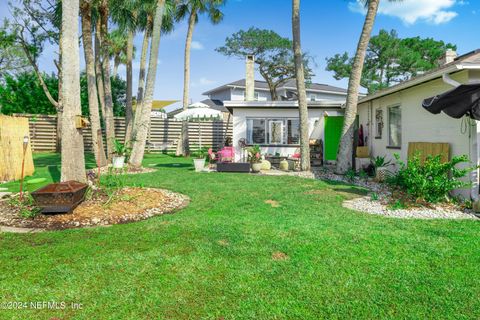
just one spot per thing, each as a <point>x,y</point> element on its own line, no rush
<point>12,131</point>
<point>162,135</point>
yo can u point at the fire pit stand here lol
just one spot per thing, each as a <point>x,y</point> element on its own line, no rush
<point>60,197</point>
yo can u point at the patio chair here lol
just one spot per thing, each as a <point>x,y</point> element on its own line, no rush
<point>226,154</point>
<point>295,158</point>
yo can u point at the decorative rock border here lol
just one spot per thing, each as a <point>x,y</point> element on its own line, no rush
<point>367,205</point>
<point>173,203</point>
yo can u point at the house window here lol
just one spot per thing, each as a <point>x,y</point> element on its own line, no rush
<point>256,95</point>
<point>273,131</point>
<point>313,97</point>
<point>395,126</point>
<point>256,131</point>
<point>293,131</point>
<point>378,123</point>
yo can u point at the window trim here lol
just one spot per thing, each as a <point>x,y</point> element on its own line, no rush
<point>268,121</point>
<point>389,145</point>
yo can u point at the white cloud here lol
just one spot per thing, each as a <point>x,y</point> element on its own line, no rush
<point>412,11</point>
<point>203,81</point>
<point>197,45</point>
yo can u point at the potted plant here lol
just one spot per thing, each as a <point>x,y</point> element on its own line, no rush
<point>380,164</point>
<point>199,159</point>
<point>120,152</point>
<point>255,158</point>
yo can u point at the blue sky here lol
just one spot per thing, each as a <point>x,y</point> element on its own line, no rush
<point>328,27</point>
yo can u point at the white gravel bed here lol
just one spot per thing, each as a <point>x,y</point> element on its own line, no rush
<point>379,207</point>
<point>367,205</point>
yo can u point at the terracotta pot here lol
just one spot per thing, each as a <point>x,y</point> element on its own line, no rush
<point>256,167</point>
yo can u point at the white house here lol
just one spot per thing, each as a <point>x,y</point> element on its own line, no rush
<point>394,117</point>
<point>274,125</point>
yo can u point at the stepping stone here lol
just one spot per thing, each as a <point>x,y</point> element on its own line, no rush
<point>3,189</point>
<point>20,230</point>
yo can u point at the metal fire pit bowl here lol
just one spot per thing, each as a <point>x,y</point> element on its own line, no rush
<point>60,197</point>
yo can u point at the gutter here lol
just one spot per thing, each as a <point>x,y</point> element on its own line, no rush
<point>416,81</point>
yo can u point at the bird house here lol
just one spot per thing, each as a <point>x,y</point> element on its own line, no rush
<point>81,122</point>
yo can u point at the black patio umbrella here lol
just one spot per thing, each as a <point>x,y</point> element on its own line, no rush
<point>463,100</point>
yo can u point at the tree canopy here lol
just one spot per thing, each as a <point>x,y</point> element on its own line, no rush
<point>390,59</point>
<point>273,55</point>
<point>22,93</point>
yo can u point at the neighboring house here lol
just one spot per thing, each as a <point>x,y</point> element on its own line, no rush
<point>394,117</point>
<point>235,91</point>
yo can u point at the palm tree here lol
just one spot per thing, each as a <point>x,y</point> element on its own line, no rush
<point>73,161</point>
<point>192,9</point>
<point>345,149</point>
<point>117,48</point>
<point>125,13</point>
<point>97,141</point>
<point>107,86</point>
<point>302,95</point>
<point>142,121</point>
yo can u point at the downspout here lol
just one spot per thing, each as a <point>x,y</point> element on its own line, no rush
<point>473,150</point>
<point>446,78</point>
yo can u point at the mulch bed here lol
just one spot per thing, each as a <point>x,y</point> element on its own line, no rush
<point>129,205</point>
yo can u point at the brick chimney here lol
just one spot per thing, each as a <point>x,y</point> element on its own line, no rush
<point>449,56</point>
<point>250,78</point>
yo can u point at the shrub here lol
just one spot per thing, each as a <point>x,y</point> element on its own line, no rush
<point>254,154</point>
<point>26,207</point>
<point>350,175</point>
<point>430,181</point>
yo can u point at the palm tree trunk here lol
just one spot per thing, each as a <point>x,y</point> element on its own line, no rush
<point>97,141</point>
<point>141,74</point>
<point>128,106</point>
<point>73,161</point>
<point>109,121</point>
<point>58,146</point>
<point>143,121</point>
<point>302,95</point>
<point>186,66</point>
<point>98,69</point>
<point>183,140</point>
<point>116,63</point>
<point>345,149</point>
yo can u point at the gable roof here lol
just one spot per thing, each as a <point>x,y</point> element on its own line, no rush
<point>215,104</point>
<point>470,60</point>
<point>289,84</point>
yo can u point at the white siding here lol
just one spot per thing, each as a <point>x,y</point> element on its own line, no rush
<point>238,94</point>
<point>222,95</point>
<point>418,125</point>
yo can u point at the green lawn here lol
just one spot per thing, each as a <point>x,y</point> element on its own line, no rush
<point>213,260</point>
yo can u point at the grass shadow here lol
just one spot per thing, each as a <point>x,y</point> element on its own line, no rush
<point>173,165</point>
<point>54,172</point>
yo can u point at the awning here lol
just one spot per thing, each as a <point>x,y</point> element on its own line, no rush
<point>463,100</point>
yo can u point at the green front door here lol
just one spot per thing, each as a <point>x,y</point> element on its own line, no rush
<point>333,131</point>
